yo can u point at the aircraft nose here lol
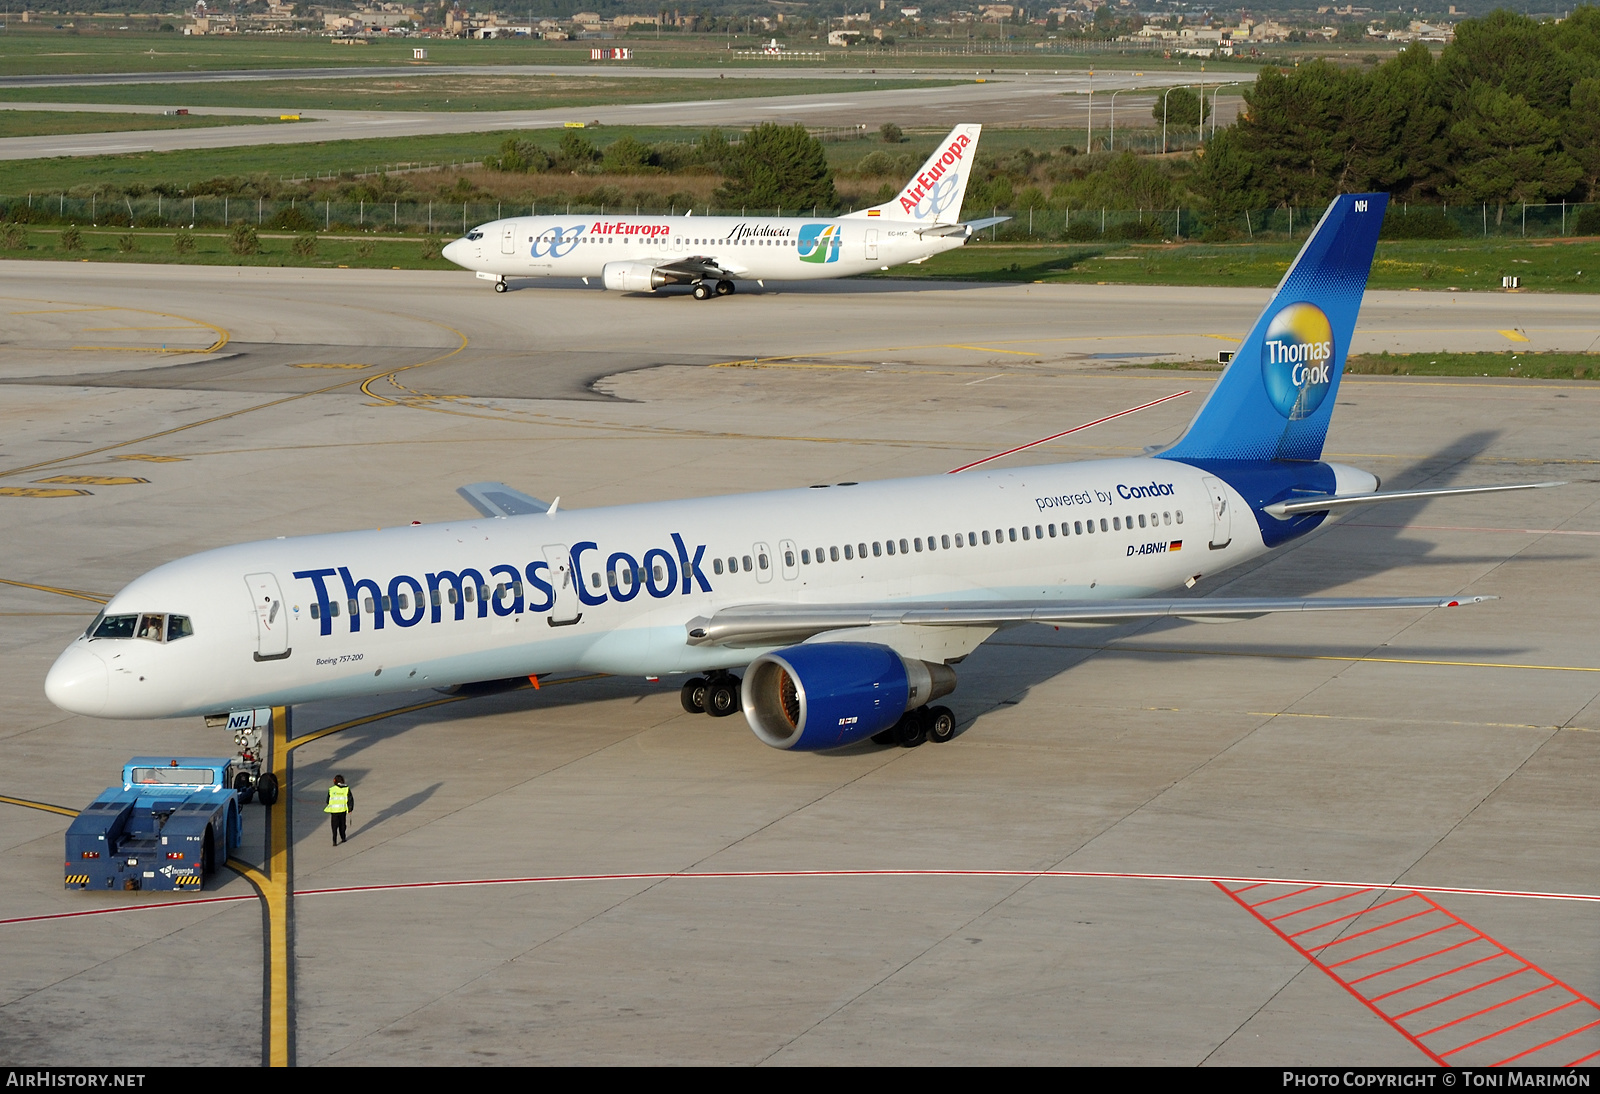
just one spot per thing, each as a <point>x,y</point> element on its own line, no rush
<point>453,251</point>
<point>78,682</point>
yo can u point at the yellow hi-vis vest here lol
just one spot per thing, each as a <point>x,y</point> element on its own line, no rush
<point>338,800</point>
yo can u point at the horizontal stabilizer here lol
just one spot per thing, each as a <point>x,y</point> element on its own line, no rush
<point>496,499</point>
<point>773,624</point>
<point>1330,501</point>
<point>966,229</point>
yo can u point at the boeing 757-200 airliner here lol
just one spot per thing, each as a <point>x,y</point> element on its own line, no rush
<point>845,606</point>
<point>643,253</point>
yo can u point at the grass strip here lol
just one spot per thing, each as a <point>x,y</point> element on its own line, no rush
<point>50,123</point>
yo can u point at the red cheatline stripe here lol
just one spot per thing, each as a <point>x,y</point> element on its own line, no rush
<point>1065,432</point>
<point>1519,1025</point>
<point>1463,991</point>
<point>1319,904</point>
<point>1392,945</point>
<point>1547,1044</point>
<point>1486,1010</point>
<point>1425,957</point>
<point>1081,875</point>
<point>1358,915</point>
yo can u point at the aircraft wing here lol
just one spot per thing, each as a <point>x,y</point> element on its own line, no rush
<point>496,499</point>
<point>766,624</point>
<point>700,266</point>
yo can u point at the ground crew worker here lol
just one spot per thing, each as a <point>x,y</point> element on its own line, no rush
<point>340,803</point>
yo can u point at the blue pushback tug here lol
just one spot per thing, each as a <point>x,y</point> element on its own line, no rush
<point>167,827</point>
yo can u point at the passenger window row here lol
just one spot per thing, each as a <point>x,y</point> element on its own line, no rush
<point>943,542</point>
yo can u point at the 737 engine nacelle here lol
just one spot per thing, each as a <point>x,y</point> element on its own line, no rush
<point>831,694</point>
<point>634,277</point>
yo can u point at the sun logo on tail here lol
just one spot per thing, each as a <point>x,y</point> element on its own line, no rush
<point>1297,360</point>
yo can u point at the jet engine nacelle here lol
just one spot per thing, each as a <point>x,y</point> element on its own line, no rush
<point>633,277</point>
<point>830,694</point>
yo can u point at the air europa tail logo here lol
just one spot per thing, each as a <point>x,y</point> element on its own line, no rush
<point>1297,360</point>
<point>934,190</point>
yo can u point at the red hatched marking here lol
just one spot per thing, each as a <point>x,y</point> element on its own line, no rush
<point>1456,1012</point>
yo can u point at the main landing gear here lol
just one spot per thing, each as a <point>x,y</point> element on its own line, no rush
<point>716,694</point>
<point>936,724</point>
<point>703,290</point>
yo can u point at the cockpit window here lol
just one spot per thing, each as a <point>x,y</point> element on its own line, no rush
<point>150,626</point>
<point>475,234</point>
<point>114,626</point>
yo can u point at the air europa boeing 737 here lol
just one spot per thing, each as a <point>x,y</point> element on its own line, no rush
<point>643,253</point>
<point>844,605</point>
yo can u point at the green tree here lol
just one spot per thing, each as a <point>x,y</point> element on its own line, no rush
<point>1513,52</point>
<point>575,152</point>
<point>1508,152</point>
<point>1225,176</point>
<point>1182,106</point>
<point>1580,133</point>
<point>777,166</point>
<point>627,156</point>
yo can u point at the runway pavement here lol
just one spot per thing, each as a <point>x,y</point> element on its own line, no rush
<point>1145,846</point>
<point>1040,99</point>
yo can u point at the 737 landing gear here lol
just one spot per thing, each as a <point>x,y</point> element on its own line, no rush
<point>500,286</point>
<point>937,724</point>
<point>724,288</point>
<point>702,291</point>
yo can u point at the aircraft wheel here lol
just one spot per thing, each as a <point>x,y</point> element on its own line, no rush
<point>722,698</point>
<point>912,728</point>
<point>702,291</point>
<point>941,725</point>
<point>724,288</point>
<point>693,695</point>
<point>267,789</point>
<point>245,786</point>
<point>500,286</point>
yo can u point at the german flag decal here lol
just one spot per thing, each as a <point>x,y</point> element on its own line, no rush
<point>1175,545</point>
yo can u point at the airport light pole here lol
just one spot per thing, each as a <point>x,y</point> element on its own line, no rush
<point>1169,91</point>
<point>1112,147</point>
<point>1219,87</point>
<point>1088,141</point>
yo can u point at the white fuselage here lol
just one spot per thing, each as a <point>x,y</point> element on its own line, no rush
<point>749,248</point>
<point>982,536</point>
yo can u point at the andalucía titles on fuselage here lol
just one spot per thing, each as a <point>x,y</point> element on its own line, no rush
<point>643,253</point>
<point>846,606</point>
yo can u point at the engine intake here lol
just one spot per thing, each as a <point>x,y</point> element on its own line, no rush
<point>831,694</point>
<point>633,277</point>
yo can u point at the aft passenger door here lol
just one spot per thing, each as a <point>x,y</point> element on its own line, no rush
<point>1221,514</point>
<point>872,244</point>
<point>272,619</point>
<point>564,612</point>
